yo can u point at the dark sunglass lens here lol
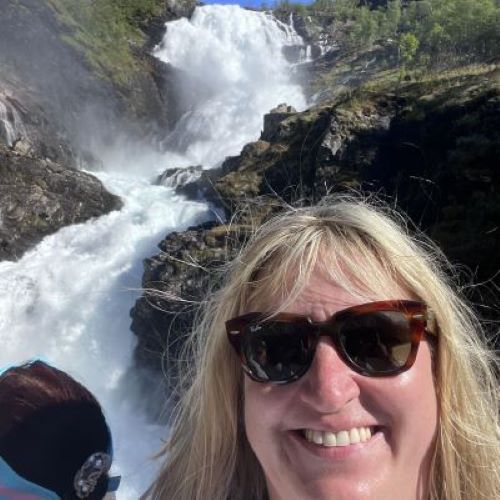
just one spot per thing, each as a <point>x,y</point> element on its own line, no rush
<point>277,351</point>
<point>377,342</point>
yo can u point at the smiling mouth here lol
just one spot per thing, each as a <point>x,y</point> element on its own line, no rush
<point>342,438</point>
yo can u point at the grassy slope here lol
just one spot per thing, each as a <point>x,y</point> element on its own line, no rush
<point>105,32</point>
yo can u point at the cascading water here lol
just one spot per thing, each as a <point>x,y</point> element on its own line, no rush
<point>68,299</point>
<point>11,124</point>
<point>234,72</point>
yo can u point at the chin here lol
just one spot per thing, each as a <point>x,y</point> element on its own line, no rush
<point>339,489</point>
<point>333,489</point>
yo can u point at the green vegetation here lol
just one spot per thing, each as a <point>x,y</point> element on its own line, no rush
<point>430,33</point>
<point>105,30</point>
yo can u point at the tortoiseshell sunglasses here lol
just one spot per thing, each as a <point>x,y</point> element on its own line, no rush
<point>376,339</point>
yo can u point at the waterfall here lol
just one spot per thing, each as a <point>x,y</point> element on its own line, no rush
<point>11,124</point>
<point>68,299</point>
<point>233,72</point>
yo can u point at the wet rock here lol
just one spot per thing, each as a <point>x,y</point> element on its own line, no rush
<point>193,182</point>
<point>178,177</point>
<point>22,146</point>
<point>38,197</point>
<point>30,128</point>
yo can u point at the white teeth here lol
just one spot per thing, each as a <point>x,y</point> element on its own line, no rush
<point>329,439</point>
<point>362,434</point>
<point>354,436</point>
<point>317,437</point>
<point>342,438</point>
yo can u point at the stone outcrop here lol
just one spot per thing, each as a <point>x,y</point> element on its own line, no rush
<point>273,120</point>
<point>432,145</point>
<point>178,279</point>
<point>38,197</point>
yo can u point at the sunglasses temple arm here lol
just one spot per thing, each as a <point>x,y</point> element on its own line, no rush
<point>431,323</point>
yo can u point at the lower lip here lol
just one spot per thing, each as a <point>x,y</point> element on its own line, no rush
<point>336,452</point>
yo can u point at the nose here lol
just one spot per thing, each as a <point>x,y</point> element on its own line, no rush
<point>328,386</point>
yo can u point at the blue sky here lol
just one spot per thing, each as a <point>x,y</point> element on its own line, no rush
<point>251,3</point>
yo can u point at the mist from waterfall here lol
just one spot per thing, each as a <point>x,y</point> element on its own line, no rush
<point>68,299</point>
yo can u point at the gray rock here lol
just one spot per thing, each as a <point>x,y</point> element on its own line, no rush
<point>178,177</point>
<point>38,197</point>
<point>178,279</point>
<point>273,120</point>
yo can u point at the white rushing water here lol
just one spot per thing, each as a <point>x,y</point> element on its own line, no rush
<point>234,72</point>
<point>11,124</point>
<point>68,299</point>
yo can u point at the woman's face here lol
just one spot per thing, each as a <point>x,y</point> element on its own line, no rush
<point>400,411</point>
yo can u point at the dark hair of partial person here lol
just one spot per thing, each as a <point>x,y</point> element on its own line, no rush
<point>49,426</point>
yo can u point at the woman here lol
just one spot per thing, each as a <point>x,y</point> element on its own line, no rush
<point>54,440</point>
<point>337,362</point>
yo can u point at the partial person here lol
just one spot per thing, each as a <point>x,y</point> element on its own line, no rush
<point>338,361</point>
<point>54,440</point>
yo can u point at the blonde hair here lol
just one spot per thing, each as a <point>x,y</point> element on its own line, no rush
<point>208,456</point>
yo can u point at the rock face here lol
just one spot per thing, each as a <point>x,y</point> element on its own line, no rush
<point>433,146</point>
<point>28,128</point>
<point>331,65</point>
<point>38,197</point>
<point>273,119</point>
<point>190,263</point>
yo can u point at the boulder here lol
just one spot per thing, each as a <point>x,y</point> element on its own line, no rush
<point>273,120</point>
<point>193,182</point>
<point>178,177</point>
<point>38,197</point>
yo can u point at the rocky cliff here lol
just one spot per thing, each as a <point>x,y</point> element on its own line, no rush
<point>87,67</point>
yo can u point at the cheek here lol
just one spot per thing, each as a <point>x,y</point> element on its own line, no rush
<point>420,400</point>
<point>256,413</point>
<point>409,403</point>
<point>264,411</point>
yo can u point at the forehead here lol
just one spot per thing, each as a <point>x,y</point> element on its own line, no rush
<point>348,269</point>
<point>321,297</point>
<point>322,293</point>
